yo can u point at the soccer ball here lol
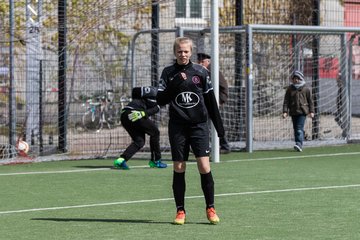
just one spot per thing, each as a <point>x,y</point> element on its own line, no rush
<point>23,146</point>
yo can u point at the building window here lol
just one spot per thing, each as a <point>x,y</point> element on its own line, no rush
<point>189,9</point>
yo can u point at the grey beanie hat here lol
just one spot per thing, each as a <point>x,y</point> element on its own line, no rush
<point>299,74</point>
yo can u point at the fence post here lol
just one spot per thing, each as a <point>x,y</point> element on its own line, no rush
<point>155,43</point>
<point>215,152</point>
<point>62,124</point>
<point>12,101</point>
<point>315,73</point>
<point>249,90</point>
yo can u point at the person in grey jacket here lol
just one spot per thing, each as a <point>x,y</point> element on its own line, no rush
<point>298,104</point>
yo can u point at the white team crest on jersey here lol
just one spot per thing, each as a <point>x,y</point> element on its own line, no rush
<point>187,99</point>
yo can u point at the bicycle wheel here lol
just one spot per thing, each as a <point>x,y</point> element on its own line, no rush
<point>91,120</point>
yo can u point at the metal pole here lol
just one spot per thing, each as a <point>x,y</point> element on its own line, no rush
<point>155,43</point>
<point>344,62</point>
<point>215,152</point>
<point>348,87</point>
<point>41,117</point>
<point>41,108</point>
<point>62,75</point>
<point>311,30</point>
<point>12,99</point>
<point>179,32</point>
<point>315,73</point>
<point>249,93</point>
<point>239,80</point>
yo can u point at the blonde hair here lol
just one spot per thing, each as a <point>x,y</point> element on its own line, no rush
<point>180,40</point>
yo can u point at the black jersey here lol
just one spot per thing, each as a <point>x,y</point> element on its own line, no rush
<point>188,90</point>
<point>148,105</point>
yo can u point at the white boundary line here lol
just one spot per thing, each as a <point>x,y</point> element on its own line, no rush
<point>227,161</point>
<point>54,172</point>
<point>296,157</point>
<point>171,199</point>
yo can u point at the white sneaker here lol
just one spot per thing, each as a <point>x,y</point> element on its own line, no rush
<point>298,148</point>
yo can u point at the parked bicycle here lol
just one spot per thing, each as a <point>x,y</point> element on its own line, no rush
<point>102,111</point>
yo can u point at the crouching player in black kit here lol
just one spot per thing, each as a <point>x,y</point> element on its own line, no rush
<point>186,86</point>
<point>134,118</point>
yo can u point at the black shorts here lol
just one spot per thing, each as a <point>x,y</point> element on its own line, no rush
<point>184,136</point>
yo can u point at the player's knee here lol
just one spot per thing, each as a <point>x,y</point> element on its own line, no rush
<point>179,166</point>
<point>140,143</point>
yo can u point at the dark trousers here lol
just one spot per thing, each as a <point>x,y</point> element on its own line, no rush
<point>137,131</point>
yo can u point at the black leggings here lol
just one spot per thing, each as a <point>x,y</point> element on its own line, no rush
<point>137,131</point>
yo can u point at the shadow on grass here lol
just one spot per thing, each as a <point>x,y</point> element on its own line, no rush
<point>111,167</point>
<point>96,220</point>
<point>94,167</point>
<point>109,220</point>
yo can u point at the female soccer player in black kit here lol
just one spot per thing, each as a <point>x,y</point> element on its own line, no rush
<point>186,86</point>
<point>134,118</point>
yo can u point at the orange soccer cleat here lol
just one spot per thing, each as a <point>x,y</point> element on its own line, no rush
<point>180,217</point>
<point>212,216</point>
